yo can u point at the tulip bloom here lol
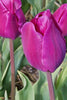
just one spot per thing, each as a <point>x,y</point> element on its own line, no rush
<point>43,44</point>
<point>61,17</point>
<point>11,21</point>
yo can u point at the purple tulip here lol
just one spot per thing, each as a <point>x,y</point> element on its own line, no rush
<point>11,19</point>
<point>43,44</point>
<point>61,17</point>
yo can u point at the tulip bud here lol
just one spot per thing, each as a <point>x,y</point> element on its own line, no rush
<point>61,17</point>
<point>43,44</point>
<point>11,21</point>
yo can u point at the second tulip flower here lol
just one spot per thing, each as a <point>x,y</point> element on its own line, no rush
<point>11,18</point>
<point>43,43</point>
<point>61,17</point>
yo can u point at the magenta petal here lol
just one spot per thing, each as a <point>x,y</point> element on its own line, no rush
<point>2,7</point>
<point>32,44</point>
<point>46,52</point>
<point>61,17</point>
<point>10,28</point>
<point>11,19</point>
<point>7,3</point>
<point>21,18</point>
<point>53,49</point>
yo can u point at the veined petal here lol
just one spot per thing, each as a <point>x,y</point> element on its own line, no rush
<point>7,3</point>
<point>2,7</point>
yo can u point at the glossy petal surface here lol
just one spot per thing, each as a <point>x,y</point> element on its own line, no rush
<point>61,17</point>
<point>44,51</point>
<point>11,22</point>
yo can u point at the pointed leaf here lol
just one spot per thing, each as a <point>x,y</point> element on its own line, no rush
<point>26,93</point>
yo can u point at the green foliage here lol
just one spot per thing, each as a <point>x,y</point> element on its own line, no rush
<point>6,96</point>
<point>6,79</point>
<point>61,81</point>
<point>27,92</point>
<point>37,6</point>
<point>39,90</point>
<point>25,6</point>
<point>64,1</point>
<point>50,4</point>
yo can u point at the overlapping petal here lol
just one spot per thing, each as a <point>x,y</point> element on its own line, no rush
<point>44,51</point>
<point>61,17</point>
<point>10,23</point>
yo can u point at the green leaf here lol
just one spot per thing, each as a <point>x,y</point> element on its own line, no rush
<point>41,88</point>
<point>25,6</point>
<point>54,74</point>
<point>34,11</point>
<point>62,76</point>
<point>26,93</point>
<point>64,1</point>
<point>50,4</point>
<point>18,56</point>
<point>6,78</point>
<point>37,5</point>
<point>6,96</point>
<point>0,70</point>
<point>61,81</point>
<point>17,43</point>
<point>5,52</point>
<point>0,99</point>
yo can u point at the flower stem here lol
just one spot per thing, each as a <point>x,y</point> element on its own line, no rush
<point>12,71</point>
<point>50,85</point>
<point>57,4</point>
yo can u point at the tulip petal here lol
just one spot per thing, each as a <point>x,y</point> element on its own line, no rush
<point>11,22</point>
<point>2,8</point>
<point>43,51</point>
<point>10,28</point>
<point>53,49</point>
<point>21,18</point>
<point>61,17</point>
<point>7,3</point>
<point>32,44</point>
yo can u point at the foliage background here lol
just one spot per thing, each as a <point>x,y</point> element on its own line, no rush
<point>38,90</point>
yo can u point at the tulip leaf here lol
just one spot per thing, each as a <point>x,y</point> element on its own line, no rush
<point>37,5</point>
<point>6,96</point>
<point>64,1</point>
<point>5,51</point>
<point>50,4</point>
<point>41,88</point>
<point>25,6</point>
<point>18,56</point>
<point>17,43</point>
<point>54,74</point>
<point>61,81</point>
<point>26,93</point>
<point>6,78</point>
<point>0,70</point>
<point>62,76</point>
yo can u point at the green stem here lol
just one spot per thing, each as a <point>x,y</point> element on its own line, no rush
<point>12,71</point>
<point>50,86</point>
